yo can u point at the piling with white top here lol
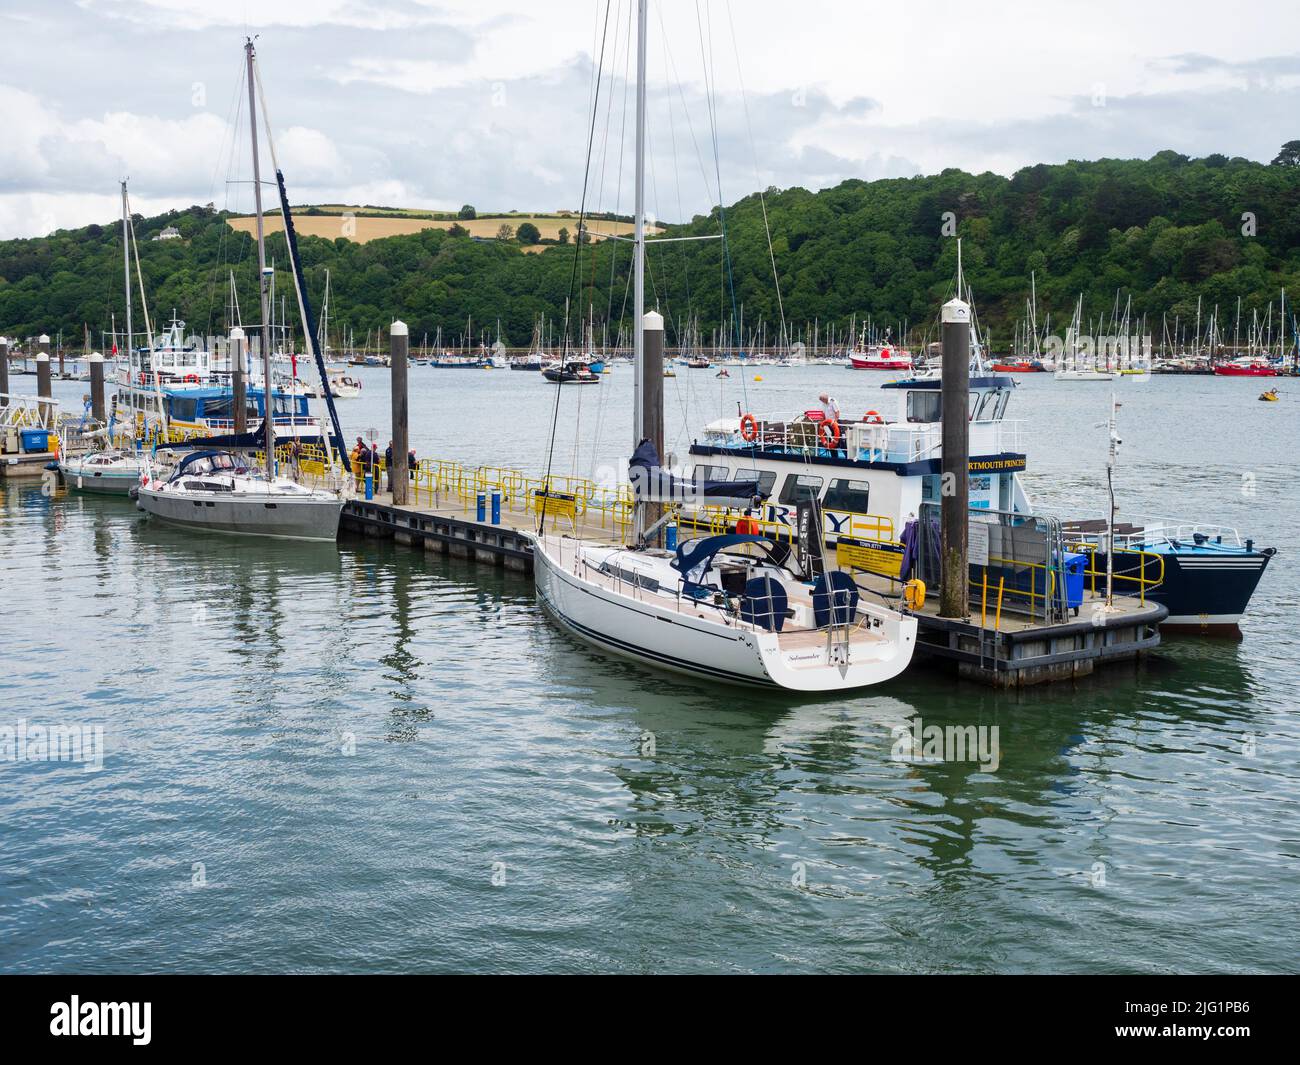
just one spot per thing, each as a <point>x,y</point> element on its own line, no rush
<point>955,483</point>
<point>4,371</point>
<point>238,386</point>
<point>399,478</point>
<point>44,391</point>
<point>97,408</point>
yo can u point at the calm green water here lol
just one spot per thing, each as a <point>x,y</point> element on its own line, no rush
<point>516,801</point>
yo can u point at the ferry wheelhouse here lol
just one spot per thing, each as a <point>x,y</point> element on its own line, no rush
<point>872,477</point>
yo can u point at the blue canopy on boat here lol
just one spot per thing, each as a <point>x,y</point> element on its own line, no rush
<point>694,553</point>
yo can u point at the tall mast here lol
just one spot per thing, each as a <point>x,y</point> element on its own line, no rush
<point>126,274</point>
<point>268,418</point>
<point>641,430</point>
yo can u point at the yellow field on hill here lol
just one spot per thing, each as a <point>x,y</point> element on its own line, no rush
<point>337,223</point>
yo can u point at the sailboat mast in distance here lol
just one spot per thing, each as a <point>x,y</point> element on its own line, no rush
<point>268,420</point>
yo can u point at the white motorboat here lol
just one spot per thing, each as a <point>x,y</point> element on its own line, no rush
<point>216,491</point>
<point>1084,375</point>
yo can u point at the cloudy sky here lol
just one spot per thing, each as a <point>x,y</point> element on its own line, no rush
<point>433,103</point>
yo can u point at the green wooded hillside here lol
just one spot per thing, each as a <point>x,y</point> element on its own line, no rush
<point>1165,229</point>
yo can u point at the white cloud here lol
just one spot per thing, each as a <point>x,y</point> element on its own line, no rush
<point>432,104</point>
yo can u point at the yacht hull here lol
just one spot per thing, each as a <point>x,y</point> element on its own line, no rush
<point>247,515</point>
<point>680,641</point>
<point>117,483</point>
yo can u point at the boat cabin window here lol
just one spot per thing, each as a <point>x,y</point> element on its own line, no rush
<point>800,487</point>
<point>766,479</point>
<point>709,473</point>
<point>182,409</point>
<point>224,407</point>
<point>925,406</point>
<point>845,494</point>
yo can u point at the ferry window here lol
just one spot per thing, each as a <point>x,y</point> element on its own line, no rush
<point>1003,397</point>
<point>284,405</point>
<point>985,412</point>
<point>709,473</point>
<point>183,409</point>
<point>924,406</point>
<point>189,359</point>
<point>766,479</point>
<point>844,494</point>
<point>800,486</point>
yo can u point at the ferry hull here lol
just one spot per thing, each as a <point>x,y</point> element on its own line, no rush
<point>286,519</point>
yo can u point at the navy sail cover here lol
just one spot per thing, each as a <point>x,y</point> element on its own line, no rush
<point>650,481</point>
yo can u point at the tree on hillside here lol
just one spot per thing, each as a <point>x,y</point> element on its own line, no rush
<point>1288,154</point>
<point>527,233</point>
<point>563,235</point>
<point>506,232</point>
<point>467,213</point>
<point>457,230</point>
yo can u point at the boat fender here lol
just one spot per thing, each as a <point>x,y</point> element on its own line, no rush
<point>749,428</point>
<point>829,431</point>
<point>914,594</point>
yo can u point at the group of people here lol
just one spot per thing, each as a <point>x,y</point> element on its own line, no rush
<point>365,458</point>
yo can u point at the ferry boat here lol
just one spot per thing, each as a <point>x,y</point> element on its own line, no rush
<point>871,475</point>
<point>176,391</point>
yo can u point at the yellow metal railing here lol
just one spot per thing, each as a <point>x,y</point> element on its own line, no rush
<point>1140,578</point>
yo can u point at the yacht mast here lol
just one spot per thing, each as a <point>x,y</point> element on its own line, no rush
<point>126,274</point>
<point>640,429</point>
<point>268,418</point>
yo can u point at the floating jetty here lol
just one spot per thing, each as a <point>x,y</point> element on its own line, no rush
<point>489,516</point>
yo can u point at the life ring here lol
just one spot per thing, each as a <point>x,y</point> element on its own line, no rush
<point>873,417</point>
<point>829,432</point>
<point>749,428</point>
<point>191,379</point>
<point>142,377</point>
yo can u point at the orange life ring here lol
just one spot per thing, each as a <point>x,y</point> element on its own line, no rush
<point>873,418</point>
<point>142,377</point>
<point>829,431</point>
<point>749,428</point>
<point>191,379</point>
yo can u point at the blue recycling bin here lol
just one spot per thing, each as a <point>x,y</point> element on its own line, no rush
<point>496,508</point>
<point>481,514</point>
<point>35,440</point>
<point>1075,564</point>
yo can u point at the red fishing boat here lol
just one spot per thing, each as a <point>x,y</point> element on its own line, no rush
<point>1245,368</point>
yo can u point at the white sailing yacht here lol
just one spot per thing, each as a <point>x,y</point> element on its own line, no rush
<point>108,469</point>
<point>216,490</point>
<point>734,608</point>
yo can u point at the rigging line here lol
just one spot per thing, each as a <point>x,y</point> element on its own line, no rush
<point>212,191</point>
<point>753,148</point>
<point>677,173</point>
<point>577,256</point>
<point>604,152</point>
<point>711,98</point>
